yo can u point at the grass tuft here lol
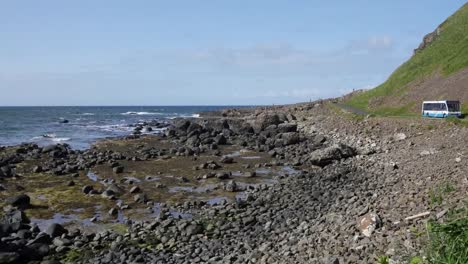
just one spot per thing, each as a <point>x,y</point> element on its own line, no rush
<point>448,242</point>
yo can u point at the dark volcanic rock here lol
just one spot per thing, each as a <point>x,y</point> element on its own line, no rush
<point>266,119</point>
<point>118,169</point>
<point>20,201</point>
<point>87,189</point>
<point>323,157</point>
<point>9,257</point>
<point>227,160</point>
<point>56,230</point>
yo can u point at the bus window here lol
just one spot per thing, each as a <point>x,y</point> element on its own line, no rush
<point>453,107</point>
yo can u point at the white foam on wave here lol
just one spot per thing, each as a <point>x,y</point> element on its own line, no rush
<point>51,137</point>
<point>111,128</point>
<point>88,114</point>
<point>141,113</point>
<point>184,116</point>
<point>60,139</point>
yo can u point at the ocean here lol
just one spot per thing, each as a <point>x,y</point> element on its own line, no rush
<point>86,124</point>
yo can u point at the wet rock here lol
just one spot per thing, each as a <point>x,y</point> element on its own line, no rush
<point>220,140</point>
<point>14,216</point>
<point>113,211</point>
<point>135,189</point>
<point>20,201</point>
<point>140,198</point>
<point>56,230</point>
<point>118,169</point>
<point>250,174</point>
<point>71,183</point>
<point>369,223</point>
<point>37,169</point>
<point>7,171</point>
<point>231,186</point>
<point>109,194</point>
<point>223,175</point>
<point>209,175</point>
<point>87,189</point>
<point>115,188</point>
<point>227,160</point>
<point>9,257</point>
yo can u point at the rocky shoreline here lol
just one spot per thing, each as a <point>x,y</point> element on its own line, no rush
<point>357,184</point>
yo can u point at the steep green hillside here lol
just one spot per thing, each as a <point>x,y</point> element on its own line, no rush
<point>445,55</point>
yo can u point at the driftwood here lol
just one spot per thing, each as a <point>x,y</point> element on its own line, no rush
<point>417,216</point>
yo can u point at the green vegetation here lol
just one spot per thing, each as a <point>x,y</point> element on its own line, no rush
<point>399,111</point>
<point>383,260</point>
<point>338,110</point>
<point>416,260</point>
<point>448,242</point>
<point>437,194</point>
<point>447,55</point>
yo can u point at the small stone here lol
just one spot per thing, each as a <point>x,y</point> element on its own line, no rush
<point>250,174</point>
<point>369,223</point>
<point>135,189</point>
<point>458,159</point>
<point>400,136</point>
<point>87,189</point>
<point>113,211</point>
<point>118,169</point>
<point>37,169</point>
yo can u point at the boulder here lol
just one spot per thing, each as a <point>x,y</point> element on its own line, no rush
<point>290,138</point>
<point>140,198</point>
<point>135,189</point>
<point>108,194</point>
<point>220,140</point>
<point>37,169</point>
<point>231,186</point>
<point>227,160</point>
<point>9,257</point>
<point>113,211</point>
<point>265,120</point>
<point>7,171</point>
<point>20,201</point>
<point>14,216</point>
<point>56,230</point>
<point>118,169</point>
<point>250,174</point>
<point>193,229</point>
<point>285,127</point>
<point>223,175</point>
<point>182,124</point>
<point>323,157</point>
<point>87,189</point>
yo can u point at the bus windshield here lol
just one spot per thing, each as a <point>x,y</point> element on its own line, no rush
<point>453,106</point>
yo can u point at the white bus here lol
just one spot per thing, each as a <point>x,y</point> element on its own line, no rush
<point>441,108</point>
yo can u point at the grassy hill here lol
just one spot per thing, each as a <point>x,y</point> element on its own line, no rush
<point>438,70</point>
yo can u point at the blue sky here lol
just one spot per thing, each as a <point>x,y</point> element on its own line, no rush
<point>204,52</point>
